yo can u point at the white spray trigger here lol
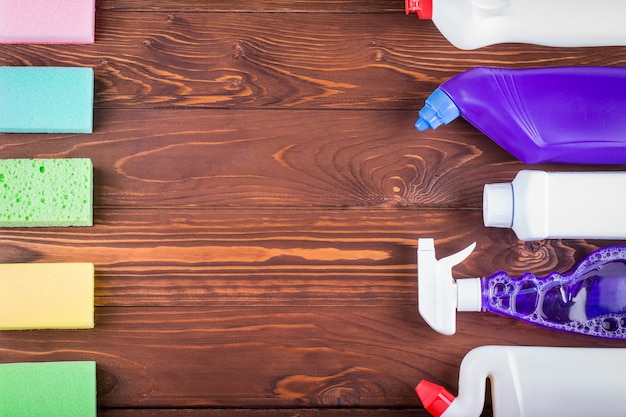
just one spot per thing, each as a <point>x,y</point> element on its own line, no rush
<point>437,292</point>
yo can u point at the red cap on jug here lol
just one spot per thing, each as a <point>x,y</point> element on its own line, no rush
<point>436,399</point>
<point>423,8</point>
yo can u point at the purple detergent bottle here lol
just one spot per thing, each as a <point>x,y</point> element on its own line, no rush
<point>590,301</point>
<point>559,114</point>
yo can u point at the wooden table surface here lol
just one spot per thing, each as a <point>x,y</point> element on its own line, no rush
<point>259,193</point>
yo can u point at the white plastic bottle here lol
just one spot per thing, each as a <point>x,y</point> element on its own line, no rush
<point>471,24</point>
<point>569,205</point>
<point>534,382</point>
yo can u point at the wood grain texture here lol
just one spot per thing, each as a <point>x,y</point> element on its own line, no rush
<point>194,257</point>
<point>272,6</point>
<point>275,60</point>
<point>282,158</point>
<point>259,193</point>
<point>278,412</point>
<point>258,357</point>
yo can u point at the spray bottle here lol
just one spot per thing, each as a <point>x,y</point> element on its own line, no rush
<point>534,382</point>
<point>471,24</point>
<point>556,114</point>
<point>590,301</point>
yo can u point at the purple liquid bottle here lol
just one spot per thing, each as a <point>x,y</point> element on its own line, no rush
<point>558,114</point>
<point>591,300</point>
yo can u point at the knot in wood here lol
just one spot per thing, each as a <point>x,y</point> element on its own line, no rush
<point>533,246</point>
<point>238,50</point>
<point>340,397</point>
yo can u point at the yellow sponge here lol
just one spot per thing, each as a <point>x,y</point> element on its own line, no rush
<point>46,296</point>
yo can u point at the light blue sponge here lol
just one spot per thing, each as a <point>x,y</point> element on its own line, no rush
<point>46,99</point>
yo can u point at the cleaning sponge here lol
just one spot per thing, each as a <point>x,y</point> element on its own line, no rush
<point>51,389</point>
<point>46,99</point>
<point>46,296</point>
<point>46,192</point>
<point>47,21</point>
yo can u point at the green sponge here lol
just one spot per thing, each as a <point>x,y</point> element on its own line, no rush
<point>46,99</point>
<point>50,389</point>
<point>46,192</point>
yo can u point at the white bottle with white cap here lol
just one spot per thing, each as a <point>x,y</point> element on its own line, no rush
<point>562,205</point>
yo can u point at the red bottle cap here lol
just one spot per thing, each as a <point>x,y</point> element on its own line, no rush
<point>436,399</point>
<point>423,8</point>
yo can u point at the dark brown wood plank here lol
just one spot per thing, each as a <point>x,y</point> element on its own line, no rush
<point>306,159</point>
<point>173,257</point>
<point>273,60</point>
<point>268,257</point>
<point>264,412</point>
<point>238,357</point>
<point>277,357</point>
<point>242,6</point>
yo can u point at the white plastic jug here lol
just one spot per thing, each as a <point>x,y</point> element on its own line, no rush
<point>534,382</point>
<point>471,24</point>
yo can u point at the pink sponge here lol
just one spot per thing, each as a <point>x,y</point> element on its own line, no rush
<point>47,21</point>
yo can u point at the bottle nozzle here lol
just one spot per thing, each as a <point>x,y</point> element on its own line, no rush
<point>436,399</point>
<point>438,110</point>
<point>439,295</point>
<point>422,124</point>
